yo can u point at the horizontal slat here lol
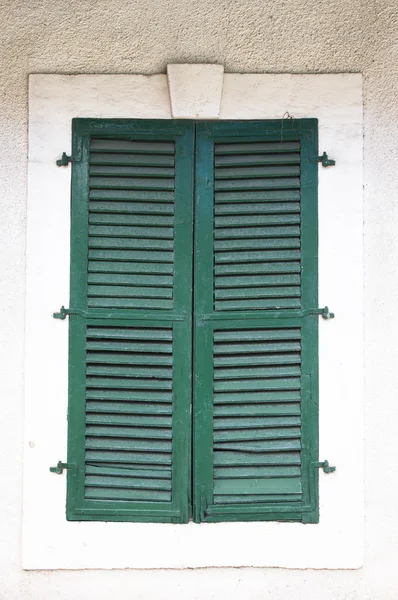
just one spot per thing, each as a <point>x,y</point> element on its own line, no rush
<point>142,147</point>
<point>118,170</point>
<point>127,208</point>
<point>256,171</point>
<point>132,220</point>
<point>108,358</point>
<point>133,483</point>
<point>280,445</point>
<point>125,371</point>
<point>223,458</point>
<point>230,232</point>
<point>255,373</point>
<point>231,160</point>
<point>257,196</point>
<point>114,231</point>
<point>257,268</point>
<point>118,158</point>
<point>129,291</point>
<point>251,244</point>
<point>254,360</point>
<point>231,385</point>
<point>142,384</point>
<point>294,500</point>
<point>258,292</point>
<point>261,304</point>
<point>130,408</point>
<point>256,208</point>
<point>249,422</point>
<point>253,257</point>
<point>133,420</point>
<point>156,472</point>
<point>126,346</point>
<point>130,303</point>
<point>249,335</point>
<point>130,333</point>
<point>125,279</point>
<point>147,433</point>
<point>135,458</point>
<point>240,397</point>
<point>131,195</point>
<point>277,485</point>
<point>143,183</point>
<point>117,243</point>
<point>97,266</point>
<point>257,410</point>
<point>129,396</point>
<point>288,346</point>
<point>250,435</point>
<point>253,280</point>
<point>95,493</point>
<point>253,471</point>
<point>127,256</point>
<point>252,147</point>
<point>233,184</point>
<point>134,445</point>
<point>256,220</point>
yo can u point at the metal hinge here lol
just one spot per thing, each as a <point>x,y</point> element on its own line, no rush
<point>323,312</point>
<point>325,466</point>
<point>64,160</point>
<point>59,469</point>
<point>62,314</point>
<point>326,161</point>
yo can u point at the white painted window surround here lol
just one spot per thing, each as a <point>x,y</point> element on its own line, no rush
<point>49,541</point>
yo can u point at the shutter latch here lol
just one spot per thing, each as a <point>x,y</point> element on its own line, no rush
<point>325,466</point>
<point>326,161</point>
<point>59,469</point>
<point>64,160</point>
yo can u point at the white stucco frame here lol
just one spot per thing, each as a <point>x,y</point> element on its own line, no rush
<point>49,541</point>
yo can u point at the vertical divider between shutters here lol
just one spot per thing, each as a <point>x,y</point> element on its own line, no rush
<point>77,326</point>
<point>182,401</point>
<point>203,304</point>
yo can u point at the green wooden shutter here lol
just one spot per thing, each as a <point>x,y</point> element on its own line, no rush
<point>130,327</point>
<point>256,354</point>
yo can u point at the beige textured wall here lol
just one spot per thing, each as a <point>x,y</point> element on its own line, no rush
<point>142,36</point>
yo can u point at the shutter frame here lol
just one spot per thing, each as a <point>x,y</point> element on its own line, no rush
<point>178,319</point>
<point>207,319</point>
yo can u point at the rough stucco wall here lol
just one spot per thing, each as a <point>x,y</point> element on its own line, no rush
<point>71,36</point>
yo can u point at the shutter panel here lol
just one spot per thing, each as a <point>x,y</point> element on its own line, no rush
<point>130,354</point>
<point>256,432</point>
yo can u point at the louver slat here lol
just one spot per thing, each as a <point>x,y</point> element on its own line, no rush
<point>241,226</point>
<point>252,394</point>
<point>130,358</point>
<point>134,224</point>
<point>246,435</point>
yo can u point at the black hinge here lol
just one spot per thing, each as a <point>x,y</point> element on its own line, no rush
<point>326,161</point>
<point>325,466</point>
<point>59,469</point>
<point>64,160</point>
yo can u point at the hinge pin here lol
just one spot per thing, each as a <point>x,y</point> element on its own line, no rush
<point>326,161</point>
<point>64,160</point>
<point>325,466</point>
<point>59,469</point>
